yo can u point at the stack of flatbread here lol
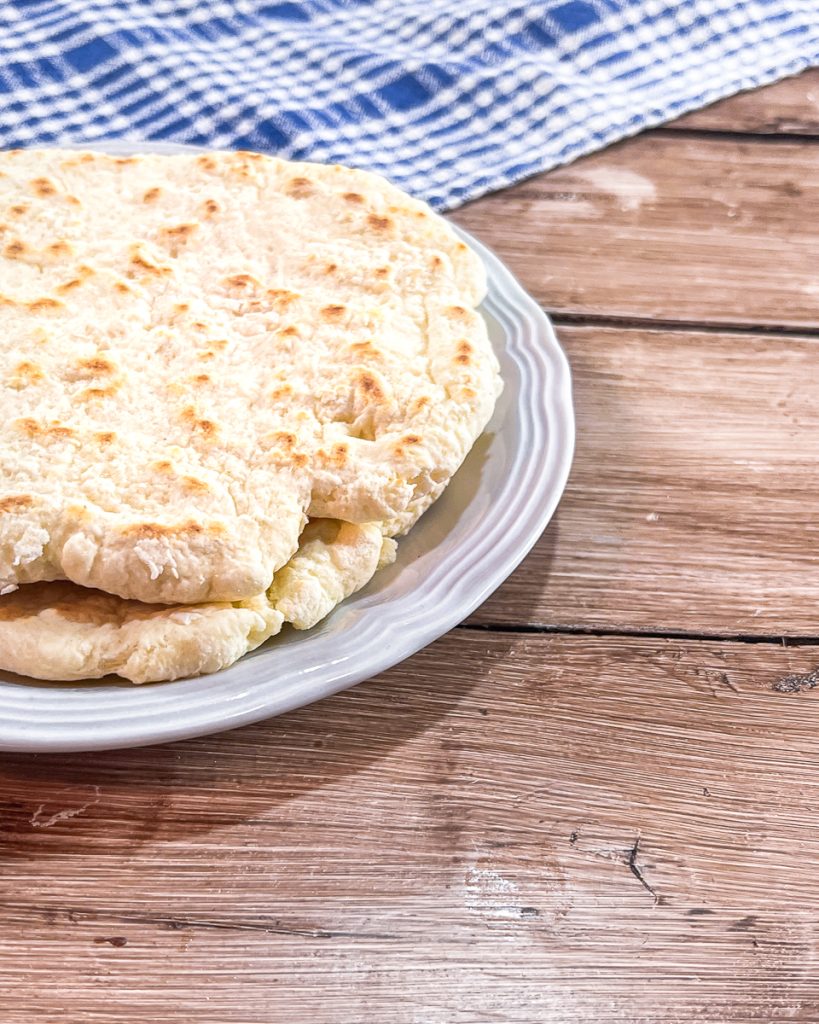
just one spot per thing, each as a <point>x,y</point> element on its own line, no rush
<point>228,383</point>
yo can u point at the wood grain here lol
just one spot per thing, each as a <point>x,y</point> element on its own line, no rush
<point>787,107</point>
<point>693,502</point>
<point>505,828</point>
<point>667,227</point>
<point>516,826</point>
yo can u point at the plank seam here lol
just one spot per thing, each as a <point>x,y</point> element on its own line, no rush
<point>632,323</point>
<point>531,629</point>
<point>724,135</point>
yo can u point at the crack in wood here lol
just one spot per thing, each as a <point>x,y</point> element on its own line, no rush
<point>76,915</point>
<point>638,874</point>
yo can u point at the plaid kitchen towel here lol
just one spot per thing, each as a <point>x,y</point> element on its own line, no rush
<point>447,98</point>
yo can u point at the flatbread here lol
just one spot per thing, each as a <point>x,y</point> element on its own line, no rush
<point>61,631</point>
<point>198,352</point>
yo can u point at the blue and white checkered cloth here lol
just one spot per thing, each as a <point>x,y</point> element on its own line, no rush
<point>447,98</point>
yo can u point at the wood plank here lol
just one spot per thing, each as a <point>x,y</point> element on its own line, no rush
<point>787,107</point>
<point>667,227</point>
<point>505,828</point>
<point>693,502</point>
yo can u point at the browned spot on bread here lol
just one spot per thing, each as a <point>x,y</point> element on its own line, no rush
<point>105,436</point>
<point>461,247</point>
<point>299,188</point>
<point>370,386</point>
<point>436,262</point>
<point>57,430</point>
<point>43,187</point>
<point>6,300</point>
<point>121,287</point>
<point>464,353</point>
<point>205,426</point>
<point>241,281</point>
<point>248,154</point>
<point>180,230</point>
<point>299,459</point>
<point>468,393</point>
<point>280,298</point>
<point>27,425</point>
<point>124,161</point>
<point>163,466</point>
<point>333,313</point>
<point>379,224</point>
<point>289,332</point>
<point>338,454</point>
<point>181,307</point>
<point>283,439</point>
<point>152,531</point>
<point>14,250</point>
<point>44,305</point>
<point>25,373</point>
<point>139,260</point>
<point>176,235</point>
<point>330,268</point>
<point>85,271</point>
<point>68,286</point>
<point>364,348</point>
<point>92,394</point>
<point>96,364</point>
<point>420,213</point>
<point>281,392</point>
<point>207,163</point>
<point>195,486</point>
<point>211,207</point>
<point>151,195</point>
<point>199,326</point>
<point>408,441</point>
<point>202,378</point>
<point>382,272</point>
<point>19,209</point>
<point>457,313</point>
<point>354,197</point>
<point>15,502</point>
<point>73,201</point>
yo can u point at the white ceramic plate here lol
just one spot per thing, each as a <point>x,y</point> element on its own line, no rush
<point>489,517</point>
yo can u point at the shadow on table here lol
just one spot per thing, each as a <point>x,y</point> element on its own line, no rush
<point>74,803</point>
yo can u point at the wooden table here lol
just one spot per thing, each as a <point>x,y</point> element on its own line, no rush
<point>598,799</point>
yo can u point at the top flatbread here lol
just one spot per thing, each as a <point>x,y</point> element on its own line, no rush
<point>197,352</point>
